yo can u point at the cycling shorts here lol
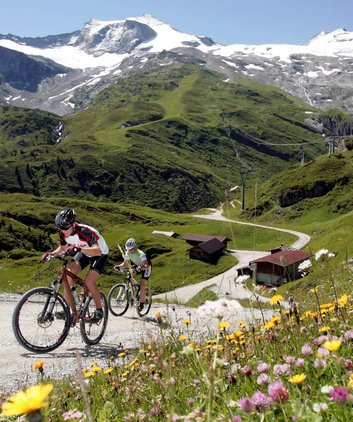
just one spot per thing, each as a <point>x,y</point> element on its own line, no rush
<point>145,274</point>
<point>96,262</point>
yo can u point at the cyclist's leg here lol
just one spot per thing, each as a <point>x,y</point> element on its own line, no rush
<point>97,265</point>
<point>143,284</point>
<point>75,268</point>
<point>90,280</point>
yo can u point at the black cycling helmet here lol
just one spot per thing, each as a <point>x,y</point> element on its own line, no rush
<point>65,218</point>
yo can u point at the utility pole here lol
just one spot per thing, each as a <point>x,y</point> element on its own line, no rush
<point>243,176</point>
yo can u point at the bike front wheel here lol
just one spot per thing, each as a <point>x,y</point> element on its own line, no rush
<point>118,299</point>
<point>41,320</point>
<point>147,305</point>
<point>92,332</point>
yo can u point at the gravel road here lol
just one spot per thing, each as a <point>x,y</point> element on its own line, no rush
<point>126,332</point>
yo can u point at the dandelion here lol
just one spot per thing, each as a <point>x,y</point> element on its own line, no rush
<point>275,299</point>
<point>333,345</point>
<point>277,391</point>
<point>107,371</point>
<point>38,366</point>
<point>297,379</point>
<point>324,329</point>
<point>223,325</point>
<point>182,337</point>
<point>186,322</point>
<point>27,401</point>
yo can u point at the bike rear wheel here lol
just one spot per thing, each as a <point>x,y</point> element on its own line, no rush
<point>35,320</point>
<point>118,299</point>
<point>92,332</point>
<point>147,305</point>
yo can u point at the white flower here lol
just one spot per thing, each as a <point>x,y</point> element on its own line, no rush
<point>241,279</point>
<point>326,389</point>
<point>304,266</point>
<point>319,407</point>
<point>219,309</point>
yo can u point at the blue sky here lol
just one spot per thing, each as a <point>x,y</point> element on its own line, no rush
<point>226,21</point>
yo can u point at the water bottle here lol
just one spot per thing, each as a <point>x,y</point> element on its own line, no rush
<point>75,295</point>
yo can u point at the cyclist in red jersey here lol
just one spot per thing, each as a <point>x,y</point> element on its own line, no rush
<point>87,247</point>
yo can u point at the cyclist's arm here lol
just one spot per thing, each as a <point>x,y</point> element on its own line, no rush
<point>94,250</point>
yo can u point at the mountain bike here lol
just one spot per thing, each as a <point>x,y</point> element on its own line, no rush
<point>42,318</point>
<point>122,295</point>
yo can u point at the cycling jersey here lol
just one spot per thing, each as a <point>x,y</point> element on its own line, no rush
<point>139,259</point>
<point>84,236</point>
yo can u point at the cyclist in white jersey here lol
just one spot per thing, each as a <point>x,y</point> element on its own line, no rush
<point>87,247</point>
<point>141,263</point>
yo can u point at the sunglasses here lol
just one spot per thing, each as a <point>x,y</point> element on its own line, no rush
<point>66,228</point>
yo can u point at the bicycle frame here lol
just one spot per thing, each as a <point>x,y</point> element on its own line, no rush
<point>63,277</point>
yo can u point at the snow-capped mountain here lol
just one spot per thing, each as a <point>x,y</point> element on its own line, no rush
<point>60,73</point>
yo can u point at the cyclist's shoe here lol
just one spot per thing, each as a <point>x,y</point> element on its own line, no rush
<point>96,317</point>
<point>141,306</point>
<point>60,315</point>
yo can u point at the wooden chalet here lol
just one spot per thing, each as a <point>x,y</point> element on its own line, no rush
<point>278,267</point>
<point>206,248</point>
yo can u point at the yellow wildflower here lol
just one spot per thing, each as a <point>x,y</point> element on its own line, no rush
<point>186,321</point>
<point>122,354</point>
<point>223,325</point>
<point>297,379</point>
<point>333,345</point>
<point>325,329</point>
<point>39,365</point>
<point>182,337</point>
<point>89,374</point>
<point>315,290</point>
<point>27,401</point>
<point>269,325</point>
<point>275,299</point>
<point>343,300</point>
<point>107,371</point>
<point>96,369</point>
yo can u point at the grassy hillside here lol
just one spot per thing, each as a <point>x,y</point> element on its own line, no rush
<point>316,199</point>
<point>27,230</point>
<point>182,132</point>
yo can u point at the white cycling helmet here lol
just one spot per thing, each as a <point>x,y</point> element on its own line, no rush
<point>130,244</point>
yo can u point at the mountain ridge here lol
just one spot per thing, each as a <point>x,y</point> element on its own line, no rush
<point>317,71</point>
